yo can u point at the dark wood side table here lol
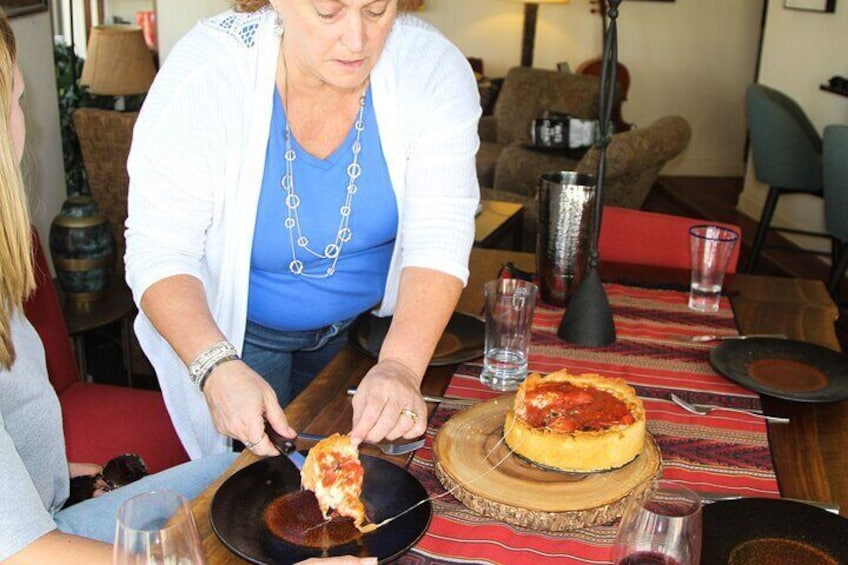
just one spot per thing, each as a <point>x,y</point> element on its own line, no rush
<point>497,221</point>
<point>82,317</point>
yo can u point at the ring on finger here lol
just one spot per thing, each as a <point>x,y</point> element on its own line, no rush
<point>412,414</point>
<point>252,444</point>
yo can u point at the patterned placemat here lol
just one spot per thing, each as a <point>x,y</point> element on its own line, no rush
<point>723,452</point>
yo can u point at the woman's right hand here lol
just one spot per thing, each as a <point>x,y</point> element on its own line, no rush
<point>240,401</point>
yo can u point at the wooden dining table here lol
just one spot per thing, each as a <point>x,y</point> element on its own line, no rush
<point>810,453</point>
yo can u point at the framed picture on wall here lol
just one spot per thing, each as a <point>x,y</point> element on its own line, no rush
<point>20,7</point>
<point>811,5</point>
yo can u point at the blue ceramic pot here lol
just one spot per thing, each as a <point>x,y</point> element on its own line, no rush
<point>82,248</point>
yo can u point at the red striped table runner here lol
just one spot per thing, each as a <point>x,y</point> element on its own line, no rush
<point>723,452</point>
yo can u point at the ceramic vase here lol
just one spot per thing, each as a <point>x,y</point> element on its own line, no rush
<point>82,248</point>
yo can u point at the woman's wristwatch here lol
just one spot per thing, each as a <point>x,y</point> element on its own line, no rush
<point>209,359</point>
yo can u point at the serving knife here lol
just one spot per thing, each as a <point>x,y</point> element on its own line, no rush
<point>433,398</point>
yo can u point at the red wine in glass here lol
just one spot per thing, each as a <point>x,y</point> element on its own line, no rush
<point>647,558</point>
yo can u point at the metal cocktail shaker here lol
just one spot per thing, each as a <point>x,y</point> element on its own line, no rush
<point>566,213</point>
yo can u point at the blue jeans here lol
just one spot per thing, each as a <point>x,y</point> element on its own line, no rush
<point>289,360</point>
<point>95,518</point>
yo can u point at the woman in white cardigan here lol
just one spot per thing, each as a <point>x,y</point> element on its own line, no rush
<point>298,162</point>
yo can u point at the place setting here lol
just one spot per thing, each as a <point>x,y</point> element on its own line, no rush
<point>262,514</point>
<point>772,365</point>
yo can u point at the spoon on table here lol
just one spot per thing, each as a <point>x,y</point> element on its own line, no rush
<point>704,409</point>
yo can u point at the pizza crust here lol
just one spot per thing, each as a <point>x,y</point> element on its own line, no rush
<point>333,472</point>
<point>578,451</point>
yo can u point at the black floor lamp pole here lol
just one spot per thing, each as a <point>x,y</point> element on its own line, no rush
<point>528,38</point>
<point>588,316</point>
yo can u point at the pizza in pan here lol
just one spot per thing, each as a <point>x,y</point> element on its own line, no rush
<point>580,423</point>
<point>333,472</point>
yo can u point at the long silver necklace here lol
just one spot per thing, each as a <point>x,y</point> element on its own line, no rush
<point>297,239</point>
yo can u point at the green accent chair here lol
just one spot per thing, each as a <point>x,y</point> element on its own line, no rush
<point>835,176</point>
<point>787,151</point>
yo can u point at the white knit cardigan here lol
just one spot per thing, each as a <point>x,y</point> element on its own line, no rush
<point>196,168</point>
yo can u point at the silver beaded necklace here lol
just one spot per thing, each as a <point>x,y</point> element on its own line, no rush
<point>292,222</point>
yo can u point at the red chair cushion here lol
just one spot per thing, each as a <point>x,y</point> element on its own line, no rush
<point>102,421</point>
<point>649,238</point>
<point>45,314</point>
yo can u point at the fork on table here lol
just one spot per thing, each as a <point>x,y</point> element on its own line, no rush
<point>704,409</point>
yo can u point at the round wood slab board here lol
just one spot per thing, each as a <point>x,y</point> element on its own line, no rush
<point>470,457</point>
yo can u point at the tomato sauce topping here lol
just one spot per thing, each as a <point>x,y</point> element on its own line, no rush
<point>338,468</point>
<point>563,407</point>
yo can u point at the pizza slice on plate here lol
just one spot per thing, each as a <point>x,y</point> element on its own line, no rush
<point>333,472</point>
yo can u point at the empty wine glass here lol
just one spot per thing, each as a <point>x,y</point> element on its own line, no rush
<point>660,526</point>
<point>156,528</point>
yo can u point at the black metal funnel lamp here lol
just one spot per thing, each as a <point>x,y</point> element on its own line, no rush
<point>588,317</point>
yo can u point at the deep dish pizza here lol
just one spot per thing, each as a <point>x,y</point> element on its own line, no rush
<point>576,422</point>
<point>333,472</point>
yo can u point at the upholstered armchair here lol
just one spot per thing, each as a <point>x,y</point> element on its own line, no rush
<point>634,161</point>
<point>525,95</point>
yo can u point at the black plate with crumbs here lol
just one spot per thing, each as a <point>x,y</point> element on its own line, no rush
<point>238,512</point>
<point>780,525</point>
<point>784,368</point>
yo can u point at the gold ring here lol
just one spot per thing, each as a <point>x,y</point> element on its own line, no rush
<point>252,444</point>
<point>411,413</point>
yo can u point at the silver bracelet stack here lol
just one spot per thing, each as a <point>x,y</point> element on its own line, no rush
<point>209,359</point>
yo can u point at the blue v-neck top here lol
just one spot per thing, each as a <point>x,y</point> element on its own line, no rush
<point>281,300</point>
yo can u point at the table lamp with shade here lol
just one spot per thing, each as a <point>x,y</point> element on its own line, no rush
<point>528,38</point>
<point>118,61</point>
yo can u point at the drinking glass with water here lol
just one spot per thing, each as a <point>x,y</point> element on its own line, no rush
<point>510,304</point>
<point>711,248</point>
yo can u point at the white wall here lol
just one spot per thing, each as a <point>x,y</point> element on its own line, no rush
<point>43,155</point>
<point>802,50</point>
<point>689,57</point>
<point>175,17</point>
<point>126,9</point>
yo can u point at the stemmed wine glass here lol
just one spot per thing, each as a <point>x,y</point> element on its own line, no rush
<point>156,528</point>
<point>660,526</point>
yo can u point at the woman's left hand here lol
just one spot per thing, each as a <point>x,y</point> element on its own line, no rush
<point>388,404</point>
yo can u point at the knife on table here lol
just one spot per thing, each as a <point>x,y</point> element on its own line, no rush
<point>712,337</point>
<point>718,497</point>
<point>432,398</point>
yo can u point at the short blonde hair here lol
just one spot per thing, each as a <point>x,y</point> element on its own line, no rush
<point>249,5</point>
<point>16,270</point>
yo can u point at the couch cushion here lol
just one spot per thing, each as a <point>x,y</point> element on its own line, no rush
<point>487,157</point>
<point>102,421</point>
<point>527,93</point>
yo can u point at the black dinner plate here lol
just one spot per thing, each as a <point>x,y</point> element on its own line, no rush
<point>728,524</point>
<point>817,374</point>
<point>461,341</point>
<point>239,505</point>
